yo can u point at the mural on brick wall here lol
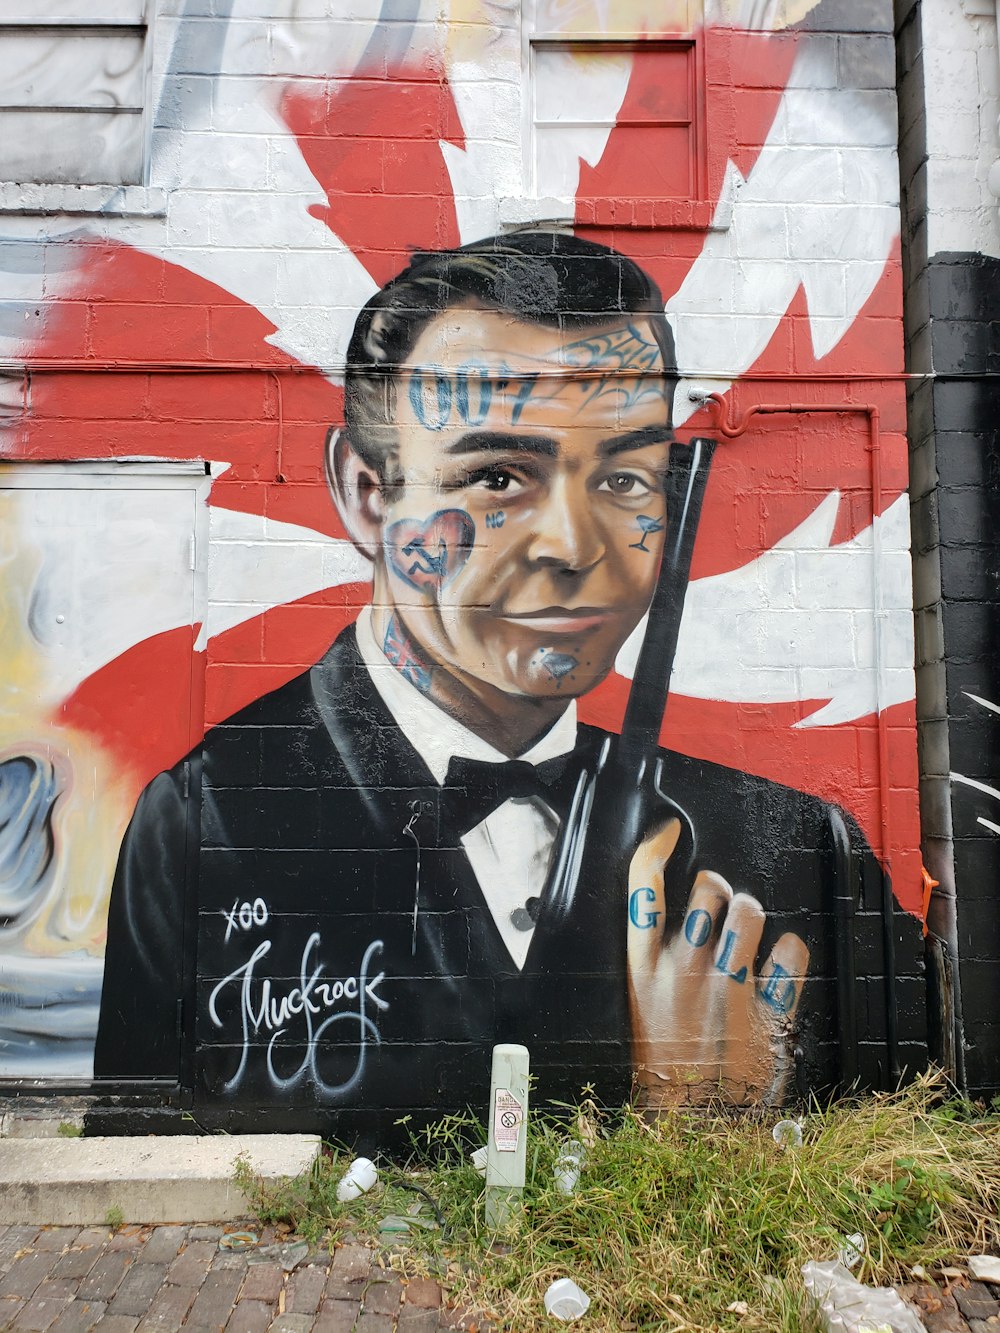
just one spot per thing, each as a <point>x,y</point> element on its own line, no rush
<point>375,678</point>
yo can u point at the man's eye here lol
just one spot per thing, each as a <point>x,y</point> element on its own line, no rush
<point>626,483</point>
<point>493,479</point>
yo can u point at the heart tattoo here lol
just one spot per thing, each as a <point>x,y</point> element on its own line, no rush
<point>429,554</point>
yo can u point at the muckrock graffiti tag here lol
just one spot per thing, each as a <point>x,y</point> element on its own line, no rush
<point>299,1017</point>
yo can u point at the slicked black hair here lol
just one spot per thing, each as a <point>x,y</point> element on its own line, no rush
<point>539,277</point>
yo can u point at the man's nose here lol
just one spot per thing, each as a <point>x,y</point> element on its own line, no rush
<point>565,534</point>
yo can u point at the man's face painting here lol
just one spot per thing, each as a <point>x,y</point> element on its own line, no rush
<point>522,546</point>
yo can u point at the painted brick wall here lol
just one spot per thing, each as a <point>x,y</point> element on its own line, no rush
<point>189,335</point>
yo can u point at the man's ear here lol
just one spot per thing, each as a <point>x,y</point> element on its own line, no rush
<point>357,492</point>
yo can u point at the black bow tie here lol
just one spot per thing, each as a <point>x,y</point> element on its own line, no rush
<point>476,788</point>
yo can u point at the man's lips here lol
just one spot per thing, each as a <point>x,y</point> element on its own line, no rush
<point>560,619</point>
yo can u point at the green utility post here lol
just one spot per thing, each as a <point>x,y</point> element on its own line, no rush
<point>508,1131</point>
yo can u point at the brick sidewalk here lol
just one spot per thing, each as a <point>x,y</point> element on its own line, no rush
<point>159,1279</point>
<point>971,1308</point>
<point>164,1279</point>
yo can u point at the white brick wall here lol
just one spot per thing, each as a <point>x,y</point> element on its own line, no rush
<point>962,90</point>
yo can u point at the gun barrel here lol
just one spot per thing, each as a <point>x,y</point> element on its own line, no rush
<point>686,482</point>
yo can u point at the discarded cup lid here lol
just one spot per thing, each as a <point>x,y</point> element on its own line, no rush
<point>852,1249</point>
<point>359,1177</point>
<point>564,1300</point>
<point>787,1134</point>
<point>478,1158</point>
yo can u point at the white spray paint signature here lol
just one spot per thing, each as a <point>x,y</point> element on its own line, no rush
<point>263,1009</point>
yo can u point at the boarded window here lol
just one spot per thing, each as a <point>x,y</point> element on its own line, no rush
<point>72,85</point>
<point>655,86</point>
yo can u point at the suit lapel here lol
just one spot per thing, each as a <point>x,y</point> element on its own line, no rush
<point>388,775</point>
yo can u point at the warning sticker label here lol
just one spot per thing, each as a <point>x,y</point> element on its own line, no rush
<point>508,1113</point>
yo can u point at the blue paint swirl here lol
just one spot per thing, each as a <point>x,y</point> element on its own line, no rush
<point>28,792</point>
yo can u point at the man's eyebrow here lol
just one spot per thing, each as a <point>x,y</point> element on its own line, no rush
<point>498,441</point>
<point>636,439</point>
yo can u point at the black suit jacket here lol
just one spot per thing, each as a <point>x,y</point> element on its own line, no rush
<point>324,922</point>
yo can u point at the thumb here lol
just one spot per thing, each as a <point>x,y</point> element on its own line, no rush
<point>646,899</point>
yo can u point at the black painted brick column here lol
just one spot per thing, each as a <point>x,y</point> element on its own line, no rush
<point>964,292</point>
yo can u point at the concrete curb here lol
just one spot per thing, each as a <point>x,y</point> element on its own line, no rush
<point>176,1178</point>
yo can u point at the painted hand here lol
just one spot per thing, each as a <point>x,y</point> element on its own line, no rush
<point>704,1023</point>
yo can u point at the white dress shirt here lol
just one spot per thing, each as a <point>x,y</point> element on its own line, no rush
<point>511,848</point>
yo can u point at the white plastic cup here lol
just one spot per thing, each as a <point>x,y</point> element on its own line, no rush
<point>787,1134</point>
<point>564,1300</point>
<point>478,1157</point>
<point>567,1168</point>
<point>359,1177</point>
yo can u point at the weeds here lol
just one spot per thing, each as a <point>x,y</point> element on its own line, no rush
<point>675,1221</point>
<point>306,1204</point>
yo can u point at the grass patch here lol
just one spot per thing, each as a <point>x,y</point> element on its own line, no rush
<point>673,1222</point>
